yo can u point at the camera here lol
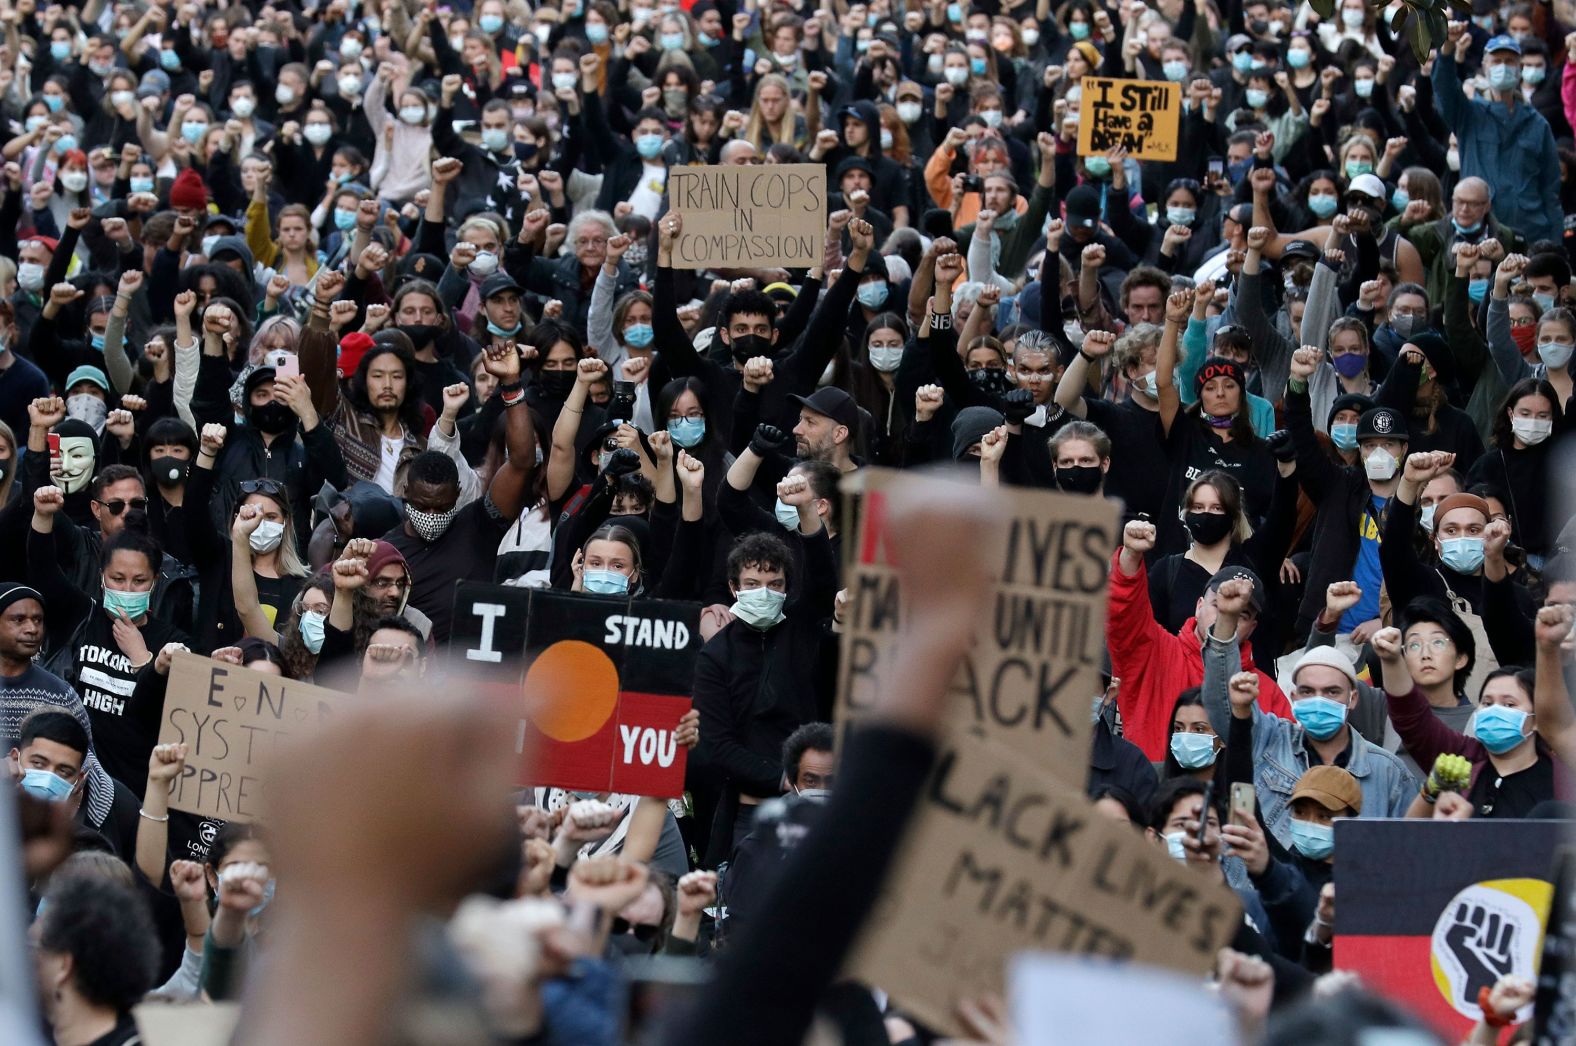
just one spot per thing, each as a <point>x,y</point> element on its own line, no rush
<point>973,183</point>
<point>622,405</point>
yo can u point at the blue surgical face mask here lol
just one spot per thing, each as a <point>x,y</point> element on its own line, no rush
<point>1242,61</point>
<point>1466,230</point>
<point>977,66</point>
<point>1400,198</point>
<point>1344,434</point>
<point>490,23</point>
<point>687,432</point>
<point>1363,88</point>
<point>1097,166</point>
<point>1358,167</point>
<point>759,607</point>
<point>170,60</point>
<point>1321,204</point>
<point>65,143</point>
<point>1150,385</point>
<point>268,898</point>
<point>1299,58</point>
<point>1313,841</point>
<point>1477,289</point>
<point>1504,77</point>
<point>649,146</point>
<point>1174,71</point>
<point>133,604</point>
<point>140,183</point>
<point>1544,300</point>
<point>97,341</point>
<point>787,515</point>
<point>1193,751</point>
<point>495,139</point>
<point>311,625</point>
<point>955,13</point>
<point>1321,717</point>
<point>60,50</point>
<point>639,335</point>
<point>503,332</point>
<point>1463,555</point>
<point>1181,215</point>
<point>1256,98</point>
<point>1425,518</point>
<point>605,583</point>
<point>672,41</point>
<point>42,784</point>
<point>596,32</point>
<point>872,295</point>
<point>1499,727</point>
<point>344,220</point>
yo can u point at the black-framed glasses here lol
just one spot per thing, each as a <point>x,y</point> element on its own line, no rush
<point>118,505</point>
<point>272,487</point>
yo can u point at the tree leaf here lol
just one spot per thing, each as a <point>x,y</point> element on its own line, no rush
<point>1399,18</point>
<point>1420,40</point>
<point>1323,8</point>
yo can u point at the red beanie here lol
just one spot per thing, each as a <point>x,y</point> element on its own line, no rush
<point>352,347</point>
<point>48,241</point>
<point>189,193</point>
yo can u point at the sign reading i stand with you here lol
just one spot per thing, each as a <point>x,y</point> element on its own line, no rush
<point>1006,854</point>
<point>1143,116</point>
<point>231,719</point>
<point>755,216</point>
<point>600,683</point>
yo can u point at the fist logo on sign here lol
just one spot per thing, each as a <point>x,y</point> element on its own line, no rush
<point>1488,930</point>
<point>1482,941</point>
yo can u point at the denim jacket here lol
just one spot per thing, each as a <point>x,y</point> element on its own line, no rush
<point>1280,756</point>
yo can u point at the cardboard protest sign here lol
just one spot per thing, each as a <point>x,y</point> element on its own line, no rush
<point>1431,911</point>
<point>231,719</point>
<point>1036,662</point>
<point>187,1024</point>
<point>741,217</point>
<point>1004,858</point>
<point>601,683</point>
<point>1142,115</point>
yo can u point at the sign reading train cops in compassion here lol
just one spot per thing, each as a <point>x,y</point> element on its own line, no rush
<point>601,683</point>
<point>231,719</point>
<point>771,215</point>
<point>1143,116</point>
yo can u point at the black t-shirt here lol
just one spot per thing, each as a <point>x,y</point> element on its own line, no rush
<point>1513,795</point>
<point>120,827</point>
<point>467,551</point>
<point>1176,583</point>
<point>276,594</point>
<point>1138,456</point>
<point>124,731</point>
<point>1192,452</point>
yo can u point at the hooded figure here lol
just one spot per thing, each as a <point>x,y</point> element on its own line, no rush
<point>229,249</point>
<point>365,510</point>
<point>859,127</point>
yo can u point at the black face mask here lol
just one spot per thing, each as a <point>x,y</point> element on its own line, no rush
<point>555,384</point>
<point>1079,479</point>
<point>420,333</point>
<point>991,379</point>
<point>171,472</point>
<point>746,347</point>
<point>271,418</point>
<point>1207,528</point>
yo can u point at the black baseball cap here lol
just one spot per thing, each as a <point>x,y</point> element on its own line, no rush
<point>1232,573</point>
<point>497,283</point>
<point>1381,423</point>
<point>834,403</point>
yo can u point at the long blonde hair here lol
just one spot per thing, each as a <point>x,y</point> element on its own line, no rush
<point>758,128</point>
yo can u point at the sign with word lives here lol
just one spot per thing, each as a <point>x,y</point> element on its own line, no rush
<point>600,683</point>
<point>1142,116</point>
<point>749,217</point>
<point>231,719</point>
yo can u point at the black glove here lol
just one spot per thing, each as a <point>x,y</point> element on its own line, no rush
<point>1280,445</point>
<point>1017,405</point>
<point>768,440</point>
<point>620,463</point>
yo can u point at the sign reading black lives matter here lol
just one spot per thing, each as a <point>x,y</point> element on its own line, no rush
<point>739,217</point>
<point>1006,854</point>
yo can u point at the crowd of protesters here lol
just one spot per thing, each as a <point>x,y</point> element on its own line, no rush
<point>309,314</point>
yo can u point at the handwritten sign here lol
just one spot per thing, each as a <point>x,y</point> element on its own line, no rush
<point>1143,116</point>
<point>231,720</point>
<point>1003,858</point>
<point>1036,662</point>
<point>742,217</point>
<point>601,683</point>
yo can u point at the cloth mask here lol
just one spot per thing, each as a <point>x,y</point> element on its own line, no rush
<point>1350,364</point>
<point>1079,479</point>
<point>430,526</point>
<point>89,408</point>
<point>1208,528</point>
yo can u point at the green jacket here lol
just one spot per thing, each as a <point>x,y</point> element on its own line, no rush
<point>1433,241</point>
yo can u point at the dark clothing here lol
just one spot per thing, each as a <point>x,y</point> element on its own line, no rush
<point>466,551</point>
<point>1193,449</point>
<point>1137,454</point>
<point>20,384</point>
<point>1116,761</point>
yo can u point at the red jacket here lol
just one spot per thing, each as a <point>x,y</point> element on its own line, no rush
<point>1155,666</point>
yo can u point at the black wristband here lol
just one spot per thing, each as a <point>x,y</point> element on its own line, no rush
<point>941,321</point>
<point>1088,357</point>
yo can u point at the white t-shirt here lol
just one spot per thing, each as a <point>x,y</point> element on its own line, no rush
<point>388,460</point>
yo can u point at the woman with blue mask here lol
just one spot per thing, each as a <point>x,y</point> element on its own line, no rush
<point>1189,227</point>
<point>1194,748</point>
<point>100,643</point>
<point>1512,770</point>
<point>872,378</point>
<point>609,564</point>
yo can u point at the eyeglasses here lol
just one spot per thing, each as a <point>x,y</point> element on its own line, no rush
<point>118,505</point>
<point>272,487</point>
<point>384,584</point>
<point>1438,645</point>
<point>588,241</point>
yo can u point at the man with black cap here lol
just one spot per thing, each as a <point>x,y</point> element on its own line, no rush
<point>1093,254</point>
<point>1353,502</point>
<point>501,312</point>
<point>828,427</point>
<point>1155,665</point>
<point>1232,79</point>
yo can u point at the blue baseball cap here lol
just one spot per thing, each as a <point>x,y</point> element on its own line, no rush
<point>88,372</point>
<point>1503,42</point>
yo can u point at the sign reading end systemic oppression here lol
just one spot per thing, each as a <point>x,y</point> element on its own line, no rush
<point>601,683</point>
<point>1006,854</point>
<point>1143,116</point>
<point>231,719</point>
<point>741,217</point>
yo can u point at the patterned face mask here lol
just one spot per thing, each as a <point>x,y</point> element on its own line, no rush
<point>429,526</point>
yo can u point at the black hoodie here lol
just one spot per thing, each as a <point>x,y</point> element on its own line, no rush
<point>886,190</point>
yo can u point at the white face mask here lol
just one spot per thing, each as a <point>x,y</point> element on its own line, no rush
<point>267,536</point>
<point>957,76</point>
<point>317,133</point>
<point>908,112</point>
<point>30,276</point>
<point>1380,465</point>
<point>350,86</point>
<point>885,358</point>
<point>243,107</point>
<point>284,95</point>
<point>413,114</point>
<point>484,264</point>
<point>1532,431</point>
<point>74,181</point>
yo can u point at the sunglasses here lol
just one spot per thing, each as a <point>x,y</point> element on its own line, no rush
<point>272,487</point>
<point>118,505</point>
